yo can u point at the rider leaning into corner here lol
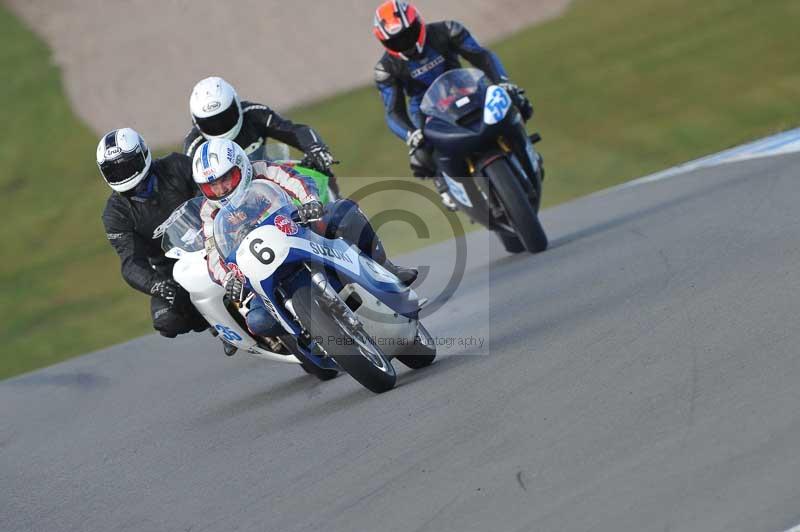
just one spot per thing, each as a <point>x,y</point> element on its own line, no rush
<point>224,174</point>
<point>217,113</point>
<point>416,54</point>
<point>144,194</point>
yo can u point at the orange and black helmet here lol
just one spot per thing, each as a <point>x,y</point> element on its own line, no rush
<point>400,28</point>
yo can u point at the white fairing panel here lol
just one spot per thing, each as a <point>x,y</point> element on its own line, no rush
<point>457,190</point>
<point>496,105</point>
<point>191,272</point>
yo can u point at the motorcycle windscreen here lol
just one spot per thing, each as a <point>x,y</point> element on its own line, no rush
<point>455,94</point>
<point>233,224</point>
<point>183,229</point>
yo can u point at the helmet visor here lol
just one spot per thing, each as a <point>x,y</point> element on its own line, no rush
<point>220,123</point>
<point>405,42</point>
<point>118,171</point>
<point>225,185</point>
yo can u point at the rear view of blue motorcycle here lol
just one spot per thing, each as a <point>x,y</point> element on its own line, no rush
<point>345,310</point>
<point>485,156</point>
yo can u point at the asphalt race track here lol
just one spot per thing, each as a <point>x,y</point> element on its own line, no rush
<point>642,375</point>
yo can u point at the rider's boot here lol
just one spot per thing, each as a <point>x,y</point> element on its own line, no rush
<point>444,192</point>
<point>406,275</point>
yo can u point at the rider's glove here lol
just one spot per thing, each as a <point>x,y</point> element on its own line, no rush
<point>318,157</point>
<point>166,290</point>
<point>313,210</point>
<point>414,140</point>
<point>522,102</point>
<point>234,288</point>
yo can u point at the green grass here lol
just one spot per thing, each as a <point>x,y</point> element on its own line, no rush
<point>621,88</point>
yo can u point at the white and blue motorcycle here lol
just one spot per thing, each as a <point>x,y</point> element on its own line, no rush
<point>340,309</point>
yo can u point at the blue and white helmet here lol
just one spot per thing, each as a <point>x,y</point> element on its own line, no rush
<point>123,159</point>
<point>222,171</point>
<point>216,109</point>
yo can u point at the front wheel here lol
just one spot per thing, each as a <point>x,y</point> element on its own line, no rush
<point>353,350</point>
<point>516,205</point>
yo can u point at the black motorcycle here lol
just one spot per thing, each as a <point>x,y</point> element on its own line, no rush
<point>485,156</point>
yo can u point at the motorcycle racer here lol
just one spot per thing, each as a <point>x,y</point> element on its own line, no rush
<point>218,113</point>
<point>224,173</point>
<point>416,54</point>
<point>145,191</point>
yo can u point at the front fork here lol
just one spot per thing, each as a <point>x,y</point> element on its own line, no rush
<point>333,303</point>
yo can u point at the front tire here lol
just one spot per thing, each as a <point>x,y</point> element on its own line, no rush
<point>518,209</point>
<point>354,352</point>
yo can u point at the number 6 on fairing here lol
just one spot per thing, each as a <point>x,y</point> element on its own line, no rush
<point>259,253</point>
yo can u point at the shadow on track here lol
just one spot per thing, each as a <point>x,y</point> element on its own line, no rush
<point>439,366</point>
<point>357,394</point>
<point>294,388</point>
<point>82,380</point>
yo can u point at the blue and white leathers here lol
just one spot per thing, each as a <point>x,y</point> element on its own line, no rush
<point>399,80</point>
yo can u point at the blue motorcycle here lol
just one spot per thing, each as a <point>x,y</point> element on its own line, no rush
<point>485,156</point>
<point>345,311</point>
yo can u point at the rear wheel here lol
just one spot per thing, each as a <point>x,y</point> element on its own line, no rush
<point>352,349</point>
<point>422,353</point>
<point>518,209</point>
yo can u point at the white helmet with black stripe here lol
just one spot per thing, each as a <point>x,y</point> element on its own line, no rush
<point>123,158</point>
<point>216,109</point>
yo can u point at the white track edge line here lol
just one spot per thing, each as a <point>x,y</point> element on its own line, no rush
<point>757,149</point>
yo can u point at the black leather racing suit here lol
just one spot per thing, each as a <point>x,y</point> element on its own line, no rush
<point>259,123</point>
<point>134,229</point>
